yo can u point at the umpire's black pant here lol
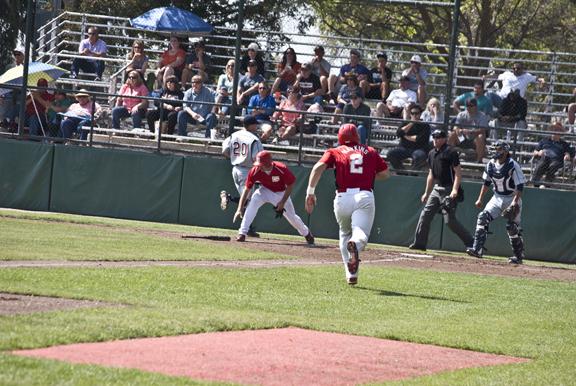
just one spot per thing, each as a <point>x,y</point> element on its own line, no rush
<point>432,207</point>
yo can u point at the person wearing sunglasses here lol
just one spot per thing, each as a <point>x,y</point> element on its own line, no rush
<point>414,136</point>
<point>137,59</point>
<point>128,105</point>
<point>92,47</point>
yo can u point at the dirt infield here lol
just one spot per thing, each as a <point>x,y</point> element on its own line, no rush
<point>13,304</point>
<point>289,356</point>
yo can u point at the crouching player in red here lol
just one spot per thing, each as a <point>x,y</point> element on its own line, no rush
<point>276,184</point>
<point>356,167</point>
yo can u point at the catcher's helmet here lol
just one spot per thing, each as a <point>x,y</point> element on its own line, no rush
<point>498,149</point>
<point>263,158</point>
<point>348,135</point>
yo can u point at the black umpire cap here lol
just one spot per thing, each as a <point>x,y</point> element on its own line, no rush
<point>439,134</point>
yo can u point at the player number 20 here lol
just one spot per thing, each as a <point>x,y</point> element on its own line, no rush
<point>240,148</point>
<point>356,161</point>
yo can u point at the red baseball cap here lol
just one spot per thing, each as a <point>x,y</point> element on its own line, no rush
<point>263,158</point>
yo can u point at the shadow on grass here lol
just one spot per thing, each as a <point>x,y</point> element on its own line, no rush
<point>392,293</point>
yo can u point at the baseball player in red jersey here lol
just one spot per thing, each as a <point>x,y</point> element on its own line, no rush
<point>276,184</point>
<point>356,167</point>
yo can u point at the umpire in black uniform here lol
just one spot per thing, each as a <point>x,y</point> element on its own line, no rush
<point>443,192</point>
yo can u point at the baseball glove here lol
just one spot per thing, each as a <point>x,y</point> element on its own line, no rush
<point>278,213</point>
<point>511,212</point>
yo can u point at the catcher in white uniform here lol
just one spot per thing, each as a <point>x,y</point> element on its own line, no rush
<point>276,184</point>
<point>241,147</point>
<point>356,167</point>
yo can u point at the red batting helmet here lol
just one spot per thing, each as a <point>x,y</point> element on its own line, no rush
<point>348,135</point>
<point>263,158</point>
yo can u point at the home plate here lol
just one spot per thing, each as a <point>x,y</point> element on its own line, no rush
<point>287,356</point>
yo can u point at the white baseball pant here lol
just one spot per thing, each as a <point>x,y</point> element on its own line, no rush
<point>239,175</point>
<point>262,196</point>
<point>354,211</point>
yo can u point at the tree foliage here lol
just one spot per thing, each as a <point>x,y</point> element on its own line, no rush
<point>11,19</point>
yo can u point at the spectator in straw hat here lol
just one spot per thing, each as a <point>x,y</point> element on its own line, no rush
<point>79,114</point>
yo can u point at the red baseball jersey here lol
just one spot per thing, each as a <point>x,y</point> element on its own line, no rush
<point>356,166</point>
<point>277,180</point>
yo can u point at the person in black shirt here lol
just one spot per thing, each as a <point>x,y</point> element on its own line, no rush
<point>169,109</point>
<point>552,152</point>
<point>309,85</point>
<point>357,107</point>
<point>443,191</point>
<point>414,141</point>
<point>379,79</point>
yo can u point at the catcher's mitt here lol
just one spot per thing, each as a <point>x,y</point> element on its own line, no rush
<point>511,212</point>
<point>278,213</point>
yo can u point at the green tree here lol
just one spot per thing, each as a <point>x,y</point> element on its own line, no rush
<point>11,19</point>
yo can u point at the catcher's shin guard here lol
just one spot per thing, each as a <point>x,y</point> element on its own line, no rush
<point>516,241</point>
<point>484,219</point>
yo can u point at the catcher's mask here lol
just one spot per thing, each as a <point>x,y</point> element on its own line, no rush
<point>499,149</point>
<point>348,135</point>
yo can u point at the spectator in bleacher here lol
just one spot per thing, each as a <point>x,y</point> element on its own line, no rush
<point>289,121</point>
<point>309,85</point>
<point>414,141</point>
<point>335,82</point>
<point>225,86</point>
<point>484,103</point>
<point>262,106</point>
<point>197,62</point>
<point>248,84</point>
<point>433,114</point>
<point>398,102</point>
<point>512,114</point>
<point>321,67</point>
<point>9,101</point>
<point>127,105</point>
<point>137,60</point>
<point>59,105</point>
<point>379,79</point>
<point>78,115</point>
<point>200,110</point>
<point>551,153</point>
<point>470,130</point>
<point>356,106</point>
<point>253,53</point>
<point>37,102</point>
<point>417,78</point>
<point>171,63</point>
<point>287,70</point>
<point>170,109</point>
<point>517,79</point>
<point>571,110</point>
<point>351,86</point>
<point>92,47</point>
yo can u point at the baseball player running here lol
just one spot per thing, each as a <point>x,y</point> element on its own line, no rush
<point>276,184</point>
<point>241,147</point>
<point>356,167</point>
<point>508,181</point>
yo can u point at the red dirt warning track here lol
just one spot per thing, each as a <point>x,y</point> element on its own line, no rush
<point>288,356</point>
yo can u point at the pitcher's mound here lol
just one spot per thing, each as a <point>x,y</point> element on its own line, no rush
<point>289,356</point>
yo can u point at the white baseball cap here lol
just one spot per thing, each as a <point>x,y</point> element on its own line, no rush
<point>416,58</point>
<point>19,49</point>
<point>253,46</point>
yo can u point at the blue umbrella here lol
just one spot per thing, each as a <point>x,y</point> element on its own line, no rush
<point>173,20</point>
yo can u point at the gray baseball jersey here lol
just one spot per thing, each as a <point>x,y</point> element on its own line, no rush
<point>242,147</point>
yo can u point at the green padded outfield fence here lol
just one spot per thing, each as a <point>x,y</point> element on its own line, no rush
<point>176,189</point>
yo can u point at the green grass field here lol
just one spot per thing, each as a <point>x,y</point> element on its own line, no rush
<point>529,318</point>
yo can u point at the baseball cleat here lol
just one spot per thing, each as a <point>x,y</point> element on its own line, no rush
<point>309,238</point>
<point>241,238</point>
<point>472,252</point>
<point>354,261</point>
<point>352,280</point>
<point>224,200</point>
<point>416,247</point>
<point>514,260</point>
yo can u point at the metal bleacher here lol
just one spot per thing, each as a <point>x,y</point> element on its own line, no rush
<point>59,39</point>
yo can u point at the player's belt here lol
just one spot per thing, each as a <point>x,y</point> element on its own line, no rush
<point>353,190</point>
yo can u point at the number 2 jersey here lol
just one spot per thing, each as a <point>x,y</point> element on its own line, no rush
<point>355,166</point>
<point>505,178</point>
<point>243,147</point>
